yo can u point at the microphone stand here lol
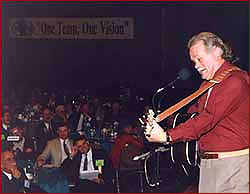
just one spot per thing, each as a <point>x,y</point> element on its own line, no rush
<point>155,152</point>
<point>157,170</point>
<point>161,98</point>
<point>171,84</point>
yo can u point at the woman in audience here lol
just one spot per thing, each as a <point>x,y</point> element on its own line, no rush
<point>126,138</point>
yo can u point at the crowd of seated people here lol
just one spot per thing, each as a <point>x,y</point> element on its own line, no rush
<point>56,133</point>
<point>60,130</point>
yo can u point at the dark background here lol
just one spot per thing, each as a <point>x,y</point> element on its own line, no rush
<point>146,62</point>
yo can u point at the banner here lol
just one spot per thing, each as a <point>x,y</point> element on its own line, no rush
<point>72,28</point>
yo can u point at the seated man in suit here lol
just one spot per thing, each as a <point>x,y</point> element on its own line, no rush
<point>23,147</point>
<point>80,122</point>
<point>60,114</point>
<point>13,178</point>
<point>5,123</point>
<point>85,157</point>
<point>58,149</point>
<point>44,131</point>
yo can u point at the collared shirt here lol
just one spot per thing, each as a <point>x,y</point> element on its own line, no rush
<point>64,155</point>
<point>46,125</point>
<point>8,175</point>
<point>5,127</point>
<point>90,162</point>
<point>223,125</point>
<point>79,126</point>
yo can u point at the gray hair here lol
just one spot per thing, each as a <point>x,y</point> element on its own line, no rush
<point>210,40</point>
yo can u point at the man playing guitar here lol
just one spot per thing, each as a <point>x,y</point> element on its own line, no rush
<point>222,124</point>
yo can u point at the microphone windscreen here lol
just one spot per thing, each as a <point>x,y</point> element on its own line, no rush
<point>184,73</point>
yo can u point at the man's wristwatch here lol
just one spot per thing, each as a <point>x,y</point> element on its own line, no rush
<point>167,138</point>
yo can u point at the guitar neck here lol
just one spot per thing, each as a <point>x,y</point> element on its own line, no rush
<point>184,102</point>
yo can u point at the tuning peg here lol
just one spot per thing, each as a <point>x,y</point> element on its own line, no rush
<point>143,123</point>
<point>151,112</point>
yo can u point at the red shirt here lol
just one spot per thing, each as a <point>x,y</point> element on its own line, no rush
<point>224,124</point>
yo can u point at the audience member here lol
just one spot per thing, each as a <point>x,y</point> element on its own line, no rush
<point>22,146</point>
<point>58,149</point>
<point>44,131</point>
<point>84,158</point>
<point>83,120</point>
<point>6,121</point>
<point>60,114</point>
<point>13,178</point>
<point>127,137</point>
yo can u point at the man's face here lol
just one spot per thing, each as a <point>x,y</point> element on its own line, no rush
<point>205,61</point>
<point>63,132</point>
<point>6,119</point>
<point>17,131</point>
<point>128,129</point>
<point>60,110</point>
<point>85,108</point>
<point>83,146</point>
<point>47,116</point>
<point>8,161</point>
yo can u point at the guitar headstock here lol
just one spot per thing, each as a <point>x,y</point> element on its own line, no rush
<point>147,121</point>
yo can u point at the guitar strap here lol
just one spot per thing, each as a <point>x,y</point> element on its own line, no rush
<point>197,93</point>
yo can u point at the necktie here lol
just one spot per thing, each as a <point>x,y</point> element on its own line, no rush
<point>66,150</point>
<point>51,133</point>
<point>85,164</point>
<point>49,128</point>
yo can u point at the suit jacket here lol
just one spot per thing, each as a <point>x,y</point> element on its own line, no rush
<point>72,167</point>
<point>12,186</point>
<point>42,136</point>
<point>21,155</point>
<point>74,120</point>
<point>53,152</point>
<point>18,185</point>
<point>4,133</point>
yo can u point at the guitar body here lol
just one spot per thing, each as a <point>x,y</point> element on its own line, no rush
<point>184,155</point>
<point>184,152</point>
<point>179,160</point>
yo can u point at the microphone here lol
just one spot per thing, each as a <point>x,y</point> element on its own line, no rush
<point>142,156</point>
<point>159,149</point>
<point>183,75</point>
